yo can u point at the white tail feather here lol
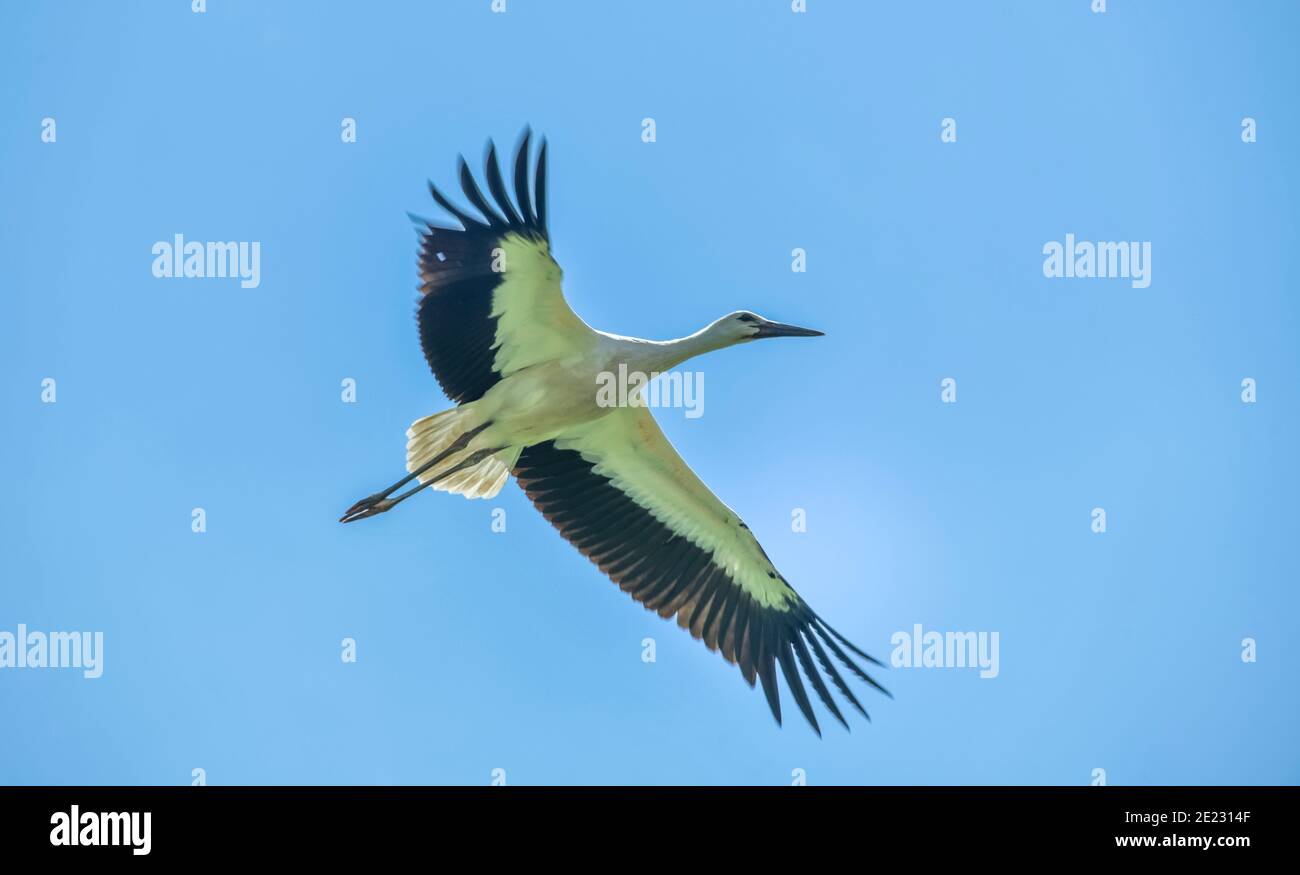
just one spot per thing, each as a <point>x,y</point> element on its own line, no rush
<point>431,435</point>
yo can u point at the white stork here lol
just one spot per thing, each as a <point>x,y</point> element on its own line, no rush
<point>523,369</point>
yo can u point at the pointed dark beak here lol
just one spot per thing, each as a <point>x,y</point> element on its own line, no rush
<point>780,329</point>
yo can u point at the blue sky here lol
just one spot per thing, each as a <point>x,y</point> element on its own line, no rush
<point>480,650</point>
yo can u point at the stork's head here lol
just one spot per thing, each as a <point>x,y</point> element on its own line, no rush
<point>743,326</point>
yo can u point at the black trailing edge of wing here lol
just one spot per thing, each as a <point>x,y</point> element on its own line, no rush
<point>454,313</point>
<point>672,576</point>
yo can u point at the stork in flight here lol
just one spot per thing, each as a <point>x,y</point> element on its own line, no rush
<point>524,370</point>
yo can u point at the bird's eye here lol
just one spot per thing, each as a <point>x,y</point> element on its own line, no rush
<point>746,317</point>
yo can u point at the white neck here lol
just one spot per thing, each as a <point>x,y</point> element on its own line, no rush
<point>663,355</point>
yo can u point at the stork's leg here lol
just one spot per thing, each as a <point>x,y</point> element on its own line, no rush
<point>389,503</point>
<point>363,509</point>
<point>380,502</point>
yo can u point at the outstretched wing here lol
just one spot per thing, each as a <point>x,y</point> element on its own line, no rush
<point>618,491</point>
<point>491,301</point>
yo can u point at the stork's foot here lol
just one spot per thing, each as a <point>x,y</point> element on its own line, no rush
<point>375,504</point>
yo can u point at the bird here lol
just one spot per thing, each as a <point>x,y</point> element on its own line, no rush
<point>523,369</point>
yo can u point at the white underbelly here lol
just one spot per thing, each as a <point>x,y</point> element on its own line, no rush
<point>539,403</point>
